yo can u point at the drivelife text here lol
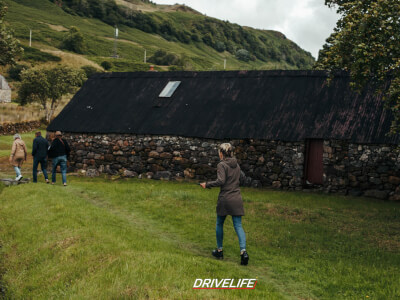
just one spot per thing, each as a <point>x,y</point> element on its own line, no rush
<point>244,284</point>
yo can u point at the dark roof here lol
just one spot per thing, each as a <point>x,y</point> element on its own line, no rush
<point>273,105</point>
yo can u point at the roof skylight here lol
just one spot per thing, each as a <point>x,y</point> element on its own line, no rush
<point>169,89</point>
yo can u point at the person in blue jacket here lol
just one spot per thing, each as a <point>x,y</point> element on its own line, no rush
<point>39,153</point>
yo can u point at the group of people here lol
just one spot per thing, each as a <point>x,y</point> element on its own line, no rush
<point>58,151</point>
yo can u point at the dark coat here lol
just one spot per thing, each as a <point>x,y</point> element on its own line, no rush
<point>59,148</point>
<point>40,147</point>
<point>229,199</point>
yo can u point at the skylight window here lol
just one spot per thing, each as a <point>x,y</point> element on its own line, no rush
<point>169,89</point>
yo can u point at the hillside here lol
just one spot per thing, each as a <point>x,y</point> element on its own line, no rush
<point>188,39</point>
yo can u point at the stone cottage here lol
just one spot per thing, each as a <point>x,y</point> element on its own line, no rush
<point>291,130</point>
<point>5,91</point>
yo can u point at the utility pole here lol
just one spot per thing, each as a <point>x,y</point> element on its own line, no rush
<point>144,60</point>
<point>115,55</point>
<point>30,37</point>
<point>224,63</point>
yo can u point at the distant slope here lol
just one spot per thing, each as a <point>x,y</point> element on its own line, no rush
<point>200,42</point>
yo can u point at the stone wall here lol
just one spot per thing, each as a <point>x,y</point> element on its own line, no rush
<point>369,170</point>
<point>264,162</point>
<point>12,128</point>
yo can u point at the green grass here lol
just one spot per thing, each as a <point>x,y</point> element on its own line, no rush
<point>33,54</point>
<point>102,239</point>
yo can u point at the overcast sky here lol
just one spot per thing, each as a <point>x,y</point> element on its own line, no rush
<point>306,22</point>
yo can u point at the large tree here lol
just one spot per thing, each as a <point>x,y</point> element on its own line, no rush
<point>47,86</point>
<point>366,43</point>
<point>9,46</point>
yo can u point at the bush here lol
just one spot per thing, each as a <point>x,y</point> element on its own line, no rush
<point>161,57</point>
<point>243,55</point>
<point>106,65</point>
<point>220,46</point>
<point>89,70</point>
<point>74,41</point>
<point>15,71</point>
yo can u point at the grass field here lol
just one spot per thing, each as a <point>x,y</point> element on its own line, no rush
<point>144,239</point>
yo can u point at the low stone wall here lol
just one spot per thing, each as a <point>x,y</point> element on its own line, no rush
<point>264,162</point>
<point>369,170</point>
<point>12,128</point>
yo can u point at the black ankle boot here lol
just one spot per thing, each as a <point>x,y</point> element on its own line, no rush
<point>244,258</point>
<point>218,254</point>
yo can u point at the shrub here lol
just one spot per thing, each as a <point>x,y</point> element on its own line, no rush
<point>243,55</point>
<point>106,65</point>
<point>74,41</point>
<point>89,70</point>
<point>220,46</point>
<point>15,71</point>
<point>161,57</point>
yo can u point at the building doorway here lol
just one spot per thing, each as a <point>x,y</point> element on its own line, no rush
<point>314,167</point>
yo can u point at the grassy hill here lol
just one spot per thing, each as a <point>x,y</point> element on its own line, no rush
<point>202,43</point>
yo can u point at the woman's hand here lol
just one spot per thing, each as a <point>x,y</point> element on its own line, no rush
<point>203,185</point>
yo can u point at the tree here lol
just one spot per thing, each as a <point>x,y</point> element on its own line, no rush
<point>366,43</point>
<point>9,46</point>
<point>47,86</point>
<point>243,54</point>
<point>74,41</point>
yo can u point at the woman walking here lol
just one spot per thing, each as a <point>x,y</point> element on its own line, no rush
<point>18,155</point>
<point>229,200</point>
<point>59,152</point>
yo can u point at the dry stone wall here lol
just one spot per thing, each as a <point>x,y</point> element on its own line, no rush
<point>12,128</point>
<point>369,170</point>
<point>264,162</point>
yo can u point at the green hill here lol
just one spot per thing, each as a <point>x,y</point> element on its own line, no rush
<point>187,39</point>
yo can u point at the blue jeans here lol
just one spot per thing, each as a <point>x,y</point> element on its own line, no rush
<point>62,161</point>
<point>43,166</point>
<point>237,224</point>
<point>17,171</point>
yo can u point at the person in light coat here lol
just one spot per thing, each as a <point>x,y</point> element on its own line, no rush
<point>18,155</point>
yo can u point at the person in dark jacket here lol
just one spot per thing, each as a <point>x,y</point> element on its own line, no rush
<point>229,200</point>
<point>59,151</point>
<point>39,153</point>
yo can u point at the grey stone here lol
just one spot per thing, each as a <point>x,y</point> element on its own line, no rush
<point>163,175</point>
<point>276,184</point>
<point>92,173</point>
<point>256,184</point>
<point>129,174</point>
